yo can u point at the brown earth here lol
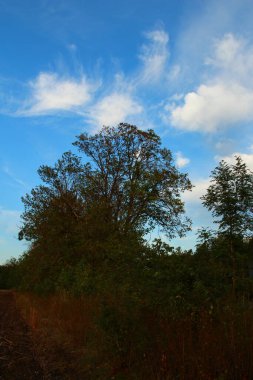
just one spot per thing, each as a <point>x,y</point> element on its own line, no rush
<point>17,355</point>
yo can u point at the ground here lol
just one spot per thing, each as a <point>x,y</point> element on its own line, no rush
<point>17,355</point>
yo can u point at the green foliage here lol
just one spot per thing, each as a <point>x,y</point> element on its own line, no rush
<point>86,222</point>
<point>135,178</point>
<point>4,277</point>
<point>10,274</point>
<point>230,198</point>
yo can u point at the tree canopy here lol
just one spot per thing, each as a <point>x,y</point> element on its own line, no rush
<point>136,178</point>
<point>129,182</point>
<point>230,198</point>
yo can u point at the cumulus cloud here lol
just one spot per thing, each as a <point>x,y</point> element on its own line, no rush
<point>154,55</point>
<point>226,97</point>
<point>212,107</point>
<point>51,93</point>
<point>199,189</point>
<point>115,108</point>
<point>181,161</point>
<point>246,157</point>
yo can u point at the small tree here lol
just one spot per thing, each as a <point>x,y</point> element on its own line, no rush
<point>230,199</point>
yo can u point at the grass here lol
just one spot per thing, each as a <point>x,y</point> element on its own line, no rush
<point>75,343</point>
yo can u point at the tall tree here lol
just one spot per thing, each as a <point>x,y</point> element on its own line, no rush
<point>127,186</point>
<point>136,179</point>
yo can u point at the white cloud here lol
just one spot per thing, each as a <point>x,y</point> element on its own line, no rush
<point>234,56</point>
<point>174,73</point>
<point>246,157</point>
<point>201,185</point>
<point>193,204</point>
<point>199,189</point>
<point>51,93</point>
<point>212,107</point>
<point>224,99</point>
<point>154,55</point>
<point>226,51</point>
<point>72,48</point>
<point>120,104</point>
<point>181,161</point>
<point>115,108</point>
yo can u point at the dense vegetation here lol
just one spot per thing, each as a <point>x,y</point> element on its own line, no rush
<point>162,311</point>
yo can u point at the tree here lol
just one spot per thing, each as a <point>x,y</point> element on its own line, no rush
<point>135,179</point>
<point>230,198</point>
<point>127,186</point>
<point>56,202</point>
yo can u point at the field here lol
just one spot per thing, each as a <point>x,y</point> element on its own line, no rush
<point>62,339</point>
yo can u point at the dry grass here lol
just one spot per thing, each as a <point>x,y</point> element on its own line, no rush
<point>62,327</point>
<point>207,345</point>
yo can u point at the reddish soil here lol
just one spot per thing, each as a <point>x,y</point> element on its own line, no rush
<point>17,356</point>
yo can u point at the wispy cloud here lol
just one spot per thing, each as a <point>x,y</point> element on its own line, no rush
<point>114,108</point>
<point>51,93</point>
<point>97,101</point>
<point>13,177</point>
<point>233,56</point>
<point>227,95</point>
<point>123,102</point>
<point>181,161</point>
<point>154,56</point>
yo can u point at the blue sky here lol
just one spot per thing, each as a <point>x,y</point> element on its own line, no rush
<point>184,68</point>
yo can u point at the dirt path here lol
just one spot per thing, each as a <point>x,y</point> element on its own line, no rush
<point>17,358</point>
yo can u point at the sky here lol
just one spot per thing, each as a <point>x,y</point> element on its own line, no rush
<point>183,68</point>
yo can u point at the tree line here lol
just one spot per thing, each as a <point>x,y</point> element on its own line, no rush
<point>123,186</point>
